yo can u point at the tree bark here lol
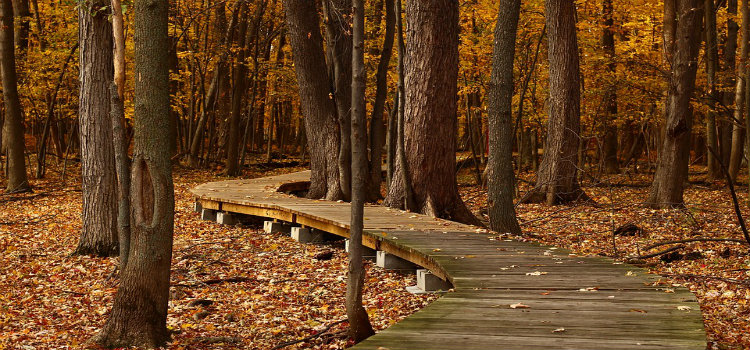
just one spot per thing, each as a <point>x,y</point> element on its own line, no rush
<point>609,147</point>
<point>391,140</point>
<point>118,35</point>
<point>738,131</point>
<point>712,67</point>
<point>729,81</point>
<point>557,179</point>
<point>359,322</point>
<point>99,233</point>
<point>13,125</point>
<point>317,106</point>
<point>500,176</point>
<point>339,42</point>
<point>139,314</point>
<point>21,36</point>
<point>430,103</point>
<point>674,154</point>
<point>239,77</point>
<point>377,123</point>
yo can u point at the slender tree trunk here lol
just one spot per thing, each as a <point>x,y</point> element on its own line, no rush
<point>738,131</point>
<point>99,234</point>
<point>406,191</point>
<point>674,154</point>
<point>322,130</point>
<point>377,123</point>
<point>118,35</point>
<point>122,167</point>
<point>13,125</point>
<point>210,102</point>
<point>500,176</point>
<point>51,104</point>
<point>431,67</point>
<point>359,322</point>
<point>339,42</point>
<point>391,137</point>
<point>239,77</point>
<point>609,147</point>
<point>729,81</point>
<point>712,67</point>
<point>557,180</point>
<point>117,115</point>
<point>139,314</point>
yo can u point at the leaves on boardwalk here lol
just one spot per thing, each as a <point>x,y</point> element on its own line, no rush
<point>718,273</point>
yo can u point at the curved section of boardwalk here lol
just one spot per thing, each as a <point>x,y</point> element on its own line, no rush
<point>508,294</point>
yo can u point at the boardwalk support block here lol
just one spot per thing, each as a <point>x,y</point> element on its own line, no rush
<point>197,207</point>
<point>392,262</point>
<point>302,234</point>
<point>225,218</point>
<point>276,227</point>
<point>208,214</point>
<point>428,282</point>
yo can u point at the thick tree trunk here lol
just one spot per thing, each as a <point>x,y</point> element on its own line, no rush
<point>13,125</point>
<point>99,234</point>
<point>500,176</point>
<point>139,314</point>
<point>557,180</point>
<point>318,109</point>
<point>21,36</point>
<point>339,42</point>
<point>738,131</point>
<point>377,123</point>
<point>431,66</point>
<point>674,154</point>
<point>609,147</point>
<point>359,322</point>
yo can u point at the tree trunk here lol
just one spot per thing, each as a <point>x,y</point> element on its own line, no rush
<point>99,234</point>
<point>391,138</point>
<point>322,130</point>
<point>118,35</point>
<point>13,125</point>
<point>431,67</point>
<point>139,314</point>
<point>359,322</point>
<point>21,36</point>
<point>712,67</point>
<point>221,68</point>
<point>738,131</point>
<point>557,180</point>
<point>377,123</point>
<point>674,154</point>
<point>609,147</point>
<point>339,42</point>
<point>500,176</point>
<point>729,81</point>
<point>239,77</point>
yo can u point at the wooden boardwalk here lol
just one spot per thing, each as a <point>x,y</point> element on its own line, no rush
<point>507,294</point>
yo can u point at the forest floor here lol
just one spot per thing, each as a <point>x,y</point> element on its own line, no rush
<point>718,273</point>
<point>263,290</point>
